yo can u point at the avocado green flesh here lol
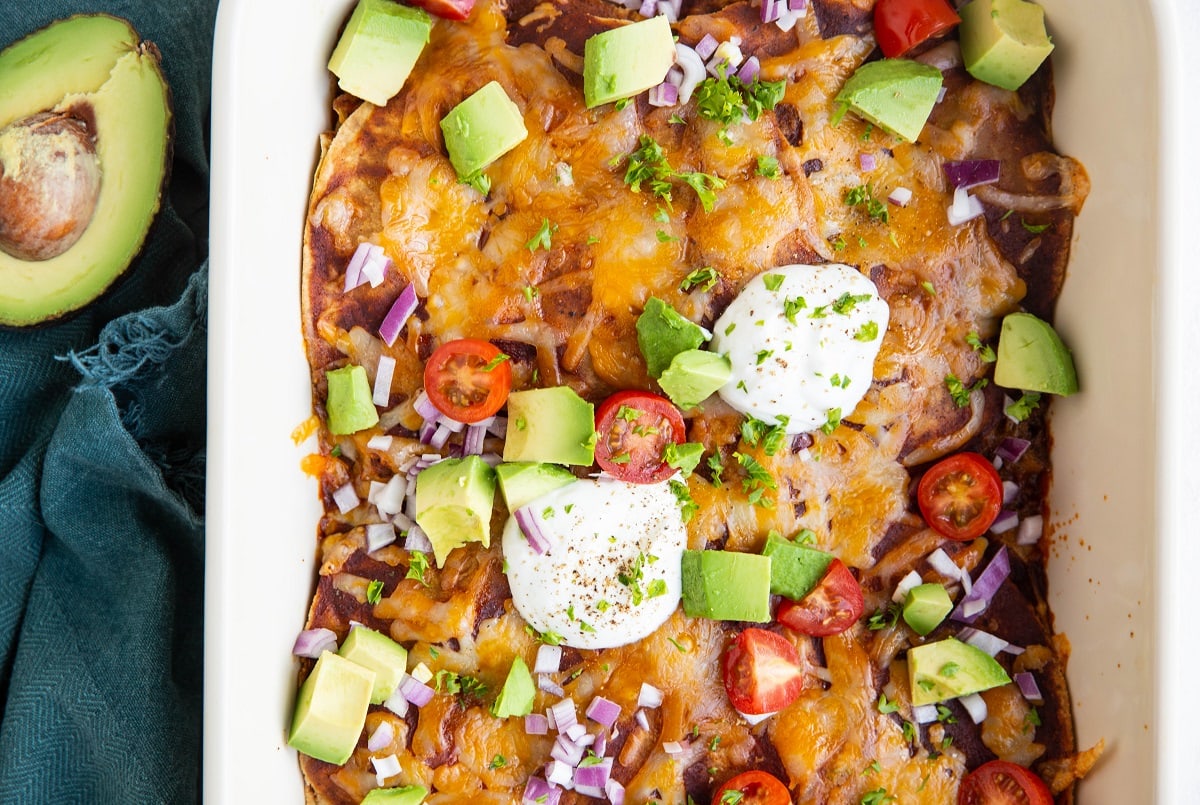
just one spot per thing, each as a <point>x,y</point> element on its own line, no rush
<point>795,569</point>
<point>379,48</point>
<point>1032,357</point>
<point>482,128</point>
<point>694,375</point>
<point>523,481</point>
<point>331,709</point>
<point>1003,41</point>
<point>727,585</point>
<point>407,795</point>
<point>926,606</point>
<point>553,425</point>
<point>894,94</point>
<point>949,668</point>
<point>454,504</point>
<point>663,333</point>
<point>517,695</point>
<point>379,653</point>
<point>621,62</point>
<point>94,62</point>
<point>348,402</point>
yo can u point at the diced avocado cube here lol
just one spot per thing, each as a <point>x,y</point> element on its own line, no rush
<point>348,402</point>
<point>331,709</point>
<point>925,606</point>
<point>1032,357</point>
<point>454,504</point>
<point>482,128</point>
<point>795,569</point>
<point>662,333</point>
<point>516,696</point>
<point>1003,41</point>
<point>408,795</point>
<point>727,585</point>
<point>895,94</point>
<point>693,375</point>
<point>374,650</point>
<point>378,48</point>
<point>522,481</point>
<point>552,425</point>
<point>621,62</point>
<point>947,669</point>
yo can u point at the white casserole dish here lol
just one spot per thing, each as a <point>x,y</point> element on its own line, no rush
<point>1123,556</point>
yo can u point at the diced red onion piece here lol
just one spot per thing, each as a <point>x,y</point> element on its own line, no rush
<point>692,64</point>
<point>536,724</point>
<point>1010,490</point>
<point>346,498</point>
<point>672,748</point>
<point>380,535</point>
<point>940,561</point>
<point>425,407</point>
<point>797,5</point>
<point>396,703</point>
<point>614,791</point>
<point>531,526</point>
<point>402,521</point>
<point>985,586</point>
<point>381,394</point>
<point>642,719</point>
<point>725,58</point>
<point>354,276</point>
<point>473,437</point>
<point>398,314</point>
<point>912,579</point>
<point>972,172</point>
<point>600,745</point>
<point>380,442</point>
<point>416,691</point>
<point>1009,648</point>
<point>496,425</point>
<point>925,713</point>
<point>540,792</point>
<point>452,425</point>
<point>566,750</point>
<point>866,161</point>
<point>707,46</point>
<point>1004,521</point>
<point>425,435</point>
<point>441,435</point>
<point>564,714</point>
<point>941,96</point>
<point>986,642</point>
<point>756,718</point>
<point>390,499</point>
<point>549,659</point>
<point>549,686</point>
<point>664,94</point>
<point>965,208</point>
<point>750,70</point>
<point>385,767</point>
<point>667,9</point>
<point>381,737</point>
<point>972,609</point>
<point>975,706</point>
<point>1012,448</point>
<point>560,773</point>
<point>375,267</point>
<point>590,780</point>
<point>1028,686</point>
<point>900,196</point>
<point>1030,530</point>
<point>648,8</point>
<point>788,18</point>
<point>417,540</point>
<point>311,642</point>
<point>603,711</point>
<point>769,12</point>
<point>649,696</point>
<point>576,732</point>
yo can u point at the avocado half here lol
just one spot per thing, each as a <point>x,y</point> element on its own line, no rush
<point>85,141</point>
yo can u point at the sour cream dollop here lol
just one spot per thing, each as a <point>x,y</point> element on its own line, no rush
<point>612,572</point>
<point>802,341</point>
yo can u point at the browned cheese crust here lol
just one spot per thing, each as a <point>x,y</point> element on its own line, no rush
<point>384,177</point>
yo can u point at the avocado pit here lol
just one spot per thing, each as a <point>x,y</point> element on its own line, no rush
<point>49,184</point>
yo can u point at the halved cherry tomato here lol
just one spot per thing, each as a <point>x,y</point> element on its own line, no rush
<point>999,782</point>
<point>960,496</point>
<point>634,428</point>
<point>762,672</point>
<point>830,608</point>
<point>450,9</point>
<point>468,379</point>
<point>751,787</point>
<point>901,25</point>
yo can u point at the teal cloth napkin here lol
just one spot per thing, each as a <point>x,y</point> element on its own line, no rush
<point>102,488</point>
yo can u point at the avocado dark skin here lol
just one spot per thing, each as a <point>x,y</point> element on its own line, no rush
<point>85,142</point>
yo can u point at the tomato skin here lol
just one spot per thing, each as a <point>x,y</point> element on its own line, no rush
<point>830,608</point>
<point>999,782</point>
<point>960,496</point>
<point>449,9</point>
<point>459,384</point>
<point>901,25</point>
<point>630,447</point>
<point>756,788</point>
<point>762,672</point>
